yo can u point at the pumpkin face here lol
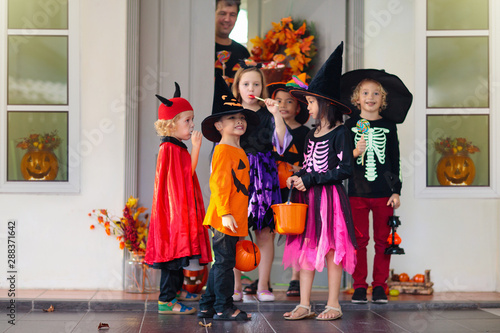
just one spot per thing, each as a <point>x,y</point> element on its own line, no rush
<point>456,169</point>
<point>194,281</point>
<point>39,165</point>
<point>245,258</point>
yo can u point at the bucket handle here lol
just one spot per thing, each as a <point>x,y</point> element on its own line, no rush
<point>290,194</point>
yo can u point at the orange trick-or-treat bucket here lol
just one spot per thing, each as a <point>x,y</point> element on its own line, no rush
<point>247,256</point>
<point>290,218</point>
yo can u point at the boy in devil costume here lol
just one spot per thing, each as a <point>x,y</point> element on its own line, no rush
<point>176,233</point>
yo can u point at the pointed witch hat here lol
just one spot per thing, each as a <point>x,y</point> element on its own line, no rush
<point>326,83</point>
<point>225,104</point>
<point>399,98</point>
<point>297,82</point>
<point>169,108</point>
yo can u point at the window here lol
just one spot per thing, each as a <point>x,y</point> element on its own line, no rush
<point>40,108</point>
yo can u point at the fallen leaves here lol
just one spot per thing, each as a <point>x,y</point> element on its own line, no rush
<point>50,309</point>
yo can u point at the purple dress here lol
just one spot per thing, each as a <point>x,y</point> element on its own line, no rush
<point>328,161</point>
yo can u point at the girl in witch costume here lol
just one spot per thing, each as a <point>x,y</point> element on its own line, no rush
<point>227,211</point>
<point>264,189</point>
<point>329,232</point>
<point>379,100</point>
<point>176,233</point>
<point>295,115</point>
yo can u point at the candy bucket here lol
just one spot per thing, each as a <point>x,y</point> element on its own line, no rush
<point>247,256</point>
<point>290,218</point>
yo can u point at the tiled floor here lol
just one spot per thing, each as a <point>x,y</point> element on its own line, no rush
<point>82,311</point>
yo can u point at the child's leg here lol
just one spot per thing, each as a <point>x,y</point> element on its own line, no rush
<point>306,282</point>
<point>237,277</point>
<point>334,280</point>
<point>265,241</point>
<point>360,211</point>
<point>381,231</point>
<point>208,298</point>
<point>168,285</point>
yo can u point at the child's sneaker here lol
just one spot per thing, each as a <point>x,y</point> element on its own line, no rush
<point>359,296</point>
<point>237,296</point>
<point>265,296</point>
<point>168,308</point>
<point>378,295</point>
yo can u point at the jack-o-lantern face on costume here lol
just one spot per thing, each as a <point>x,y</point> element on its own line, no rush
<point>39,165</point>
<point>456,169</point>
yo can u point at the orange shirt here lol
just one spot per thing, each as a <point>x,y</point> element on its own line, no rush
<point>229,186</point>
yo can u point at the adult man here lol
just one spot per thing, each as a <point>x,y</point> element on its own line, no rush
<point>226,13</point>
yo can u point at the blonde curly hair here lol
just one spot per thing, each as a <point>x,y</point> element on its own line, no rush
<point>355,93</point>
<point>166,127</point>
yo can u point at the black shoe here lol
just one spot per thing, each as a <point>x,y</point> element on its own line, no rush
<point>359,296</point>
<point>378,295</point>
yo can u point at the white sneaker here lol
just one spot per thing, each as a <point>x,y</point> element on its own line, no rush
<point>265,296</point>
<point>237,296</point>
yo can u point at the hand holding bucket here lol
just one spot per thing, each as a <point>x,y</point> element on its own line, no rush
<point>290,218</point>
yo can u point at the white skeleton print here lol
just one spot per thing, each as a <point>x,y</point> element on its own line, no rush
<point>317,158</point>
<point>375,145</point>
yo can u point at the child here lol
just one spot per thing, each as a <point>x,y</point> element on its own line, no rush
<point>328,233</point>
<point>227,213</point>
<point>264,188</point>
<point>295,115</point>
<point>376,183</point>
<point>176,232</point>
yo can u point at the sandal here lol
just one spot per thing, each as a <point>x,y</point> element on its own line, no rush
<point>188,297</point>
<point>293,288</point>
<point>168,308</point>
<point>308,314</point>
<point>328,309</point>
<point>237,296</point>
<point>228,315</point>
<point>252,288</point>
<point>206,313</point>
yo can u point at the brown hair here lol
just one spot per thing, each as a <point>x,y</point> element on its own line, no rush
<point>237,79</point>
<point>166,127</point>
<point>355,93</point>
<point>228,3</point>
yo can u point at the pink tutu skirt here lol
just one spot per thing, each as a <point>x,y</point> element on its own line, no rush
<point>328,227</point>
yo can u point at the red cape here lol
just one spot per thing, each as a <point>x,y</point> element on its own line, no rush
<point>176,226</point>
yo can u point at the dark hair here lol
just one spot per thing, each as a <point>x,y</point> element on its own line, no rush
<point>330,111</point>
<point>236,3</point>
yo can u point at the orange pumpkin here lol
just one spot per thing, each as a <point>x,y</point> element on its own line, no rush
<point>419,278</point>
<point>194,281</point>
<point>403,277</point>
<point>246,260</point>
<point>39,165</point>
<point>397,239</point>
<point>456,169</point>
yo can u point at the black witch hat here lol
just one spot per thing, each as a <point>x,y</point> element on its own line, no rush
<point>398,99</point>
<point>326,83</point>
<point>225,104</point>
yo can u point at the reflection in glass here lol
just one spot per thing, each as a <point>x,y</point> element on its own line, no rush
<point>38,70</point>
<point>37,146</point>
<point>457,14</point>
<point>458,150</point>
<point>38,14</point>
<point>457,72</point>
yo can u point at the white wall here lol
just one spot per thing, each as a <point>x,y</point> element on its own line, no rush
<point>456,238</point>
<point>55,247</point>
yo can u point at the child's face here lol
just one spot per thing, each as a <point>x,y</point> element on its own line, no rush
<point>250,84</point>
<point>312,106</point>
<point>370,97</point>
<point>232,125</point>
<point>289,106</point>
<point>184,126</point>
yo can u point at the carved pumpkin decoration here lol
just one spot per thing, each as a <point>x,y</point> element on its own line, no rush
<point>456,169</point>
<point>246,260</point>
<point>397,239</point>
<point>194,281</point>
<point>39,165</point>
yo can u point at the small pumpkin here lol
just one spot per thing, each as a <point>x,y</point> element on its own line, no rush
<point>403,277</point>
<point>397,239</point>
<point>419,278</point>
<point>39,165</point>
<point>456,169</point>
<point>246,259</point>
<point>194,281</point>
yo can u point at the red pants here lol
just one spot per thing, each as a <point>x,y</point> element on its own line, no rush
<point>381,231</point>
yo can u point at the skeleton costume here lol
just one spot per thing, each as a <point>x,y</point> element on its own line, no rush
<point>328,161</point>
